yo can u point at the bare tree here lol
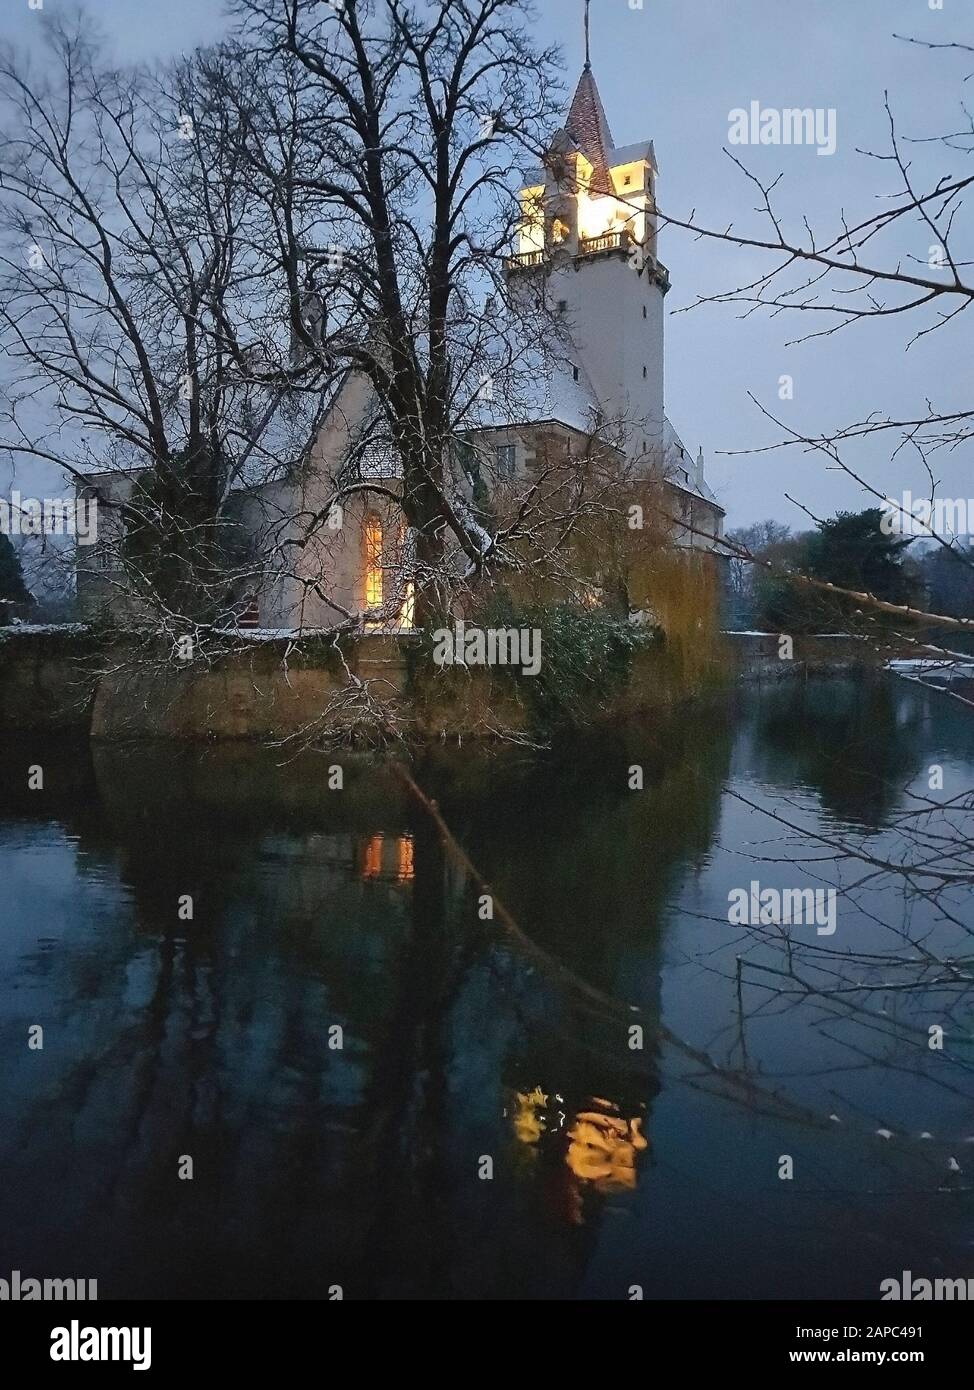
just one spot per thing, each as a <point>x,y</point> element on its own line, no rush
<point>134,337</point>
<point>396,210</point>
<point>859,272</point>
<point>875,1000</point>
<point>196,258</point>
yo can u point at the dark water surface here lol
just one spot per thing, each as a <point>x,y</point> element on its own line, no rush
<point>464,1052</point>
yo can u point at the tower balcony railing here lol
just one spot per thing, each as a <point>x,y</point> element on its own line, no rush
<point>526,260</point>
<point>609,241</point>
<point>587,246</point>
<point>621,240</point>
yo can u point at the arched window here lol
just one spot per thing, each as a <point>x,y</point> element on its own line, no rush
<point>373,561</point>
<point>560,230</point>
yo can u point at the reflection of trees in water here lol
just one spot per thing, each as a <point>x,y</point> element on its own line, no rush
<point>900,859</point>
<point>311,909</point>
<point>469,1012</point>
<point>855,742</point>
<point>210,1037</point>
<point>612,856</point>
<point>360,1166</point>
<point>311,1166</point>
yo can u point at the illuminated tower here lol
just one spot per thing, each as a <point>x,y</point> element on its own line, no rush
<point>587,244</point>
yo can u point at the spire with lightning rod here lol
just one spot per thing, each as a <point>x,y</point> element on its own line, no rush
<point>588,56</point>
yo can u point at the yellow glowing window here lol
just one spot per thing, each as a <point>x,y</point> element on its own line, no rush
<point>373,562</point>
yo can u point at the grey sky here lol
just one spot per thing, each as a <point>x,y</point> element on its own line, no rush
<point>673,70</point>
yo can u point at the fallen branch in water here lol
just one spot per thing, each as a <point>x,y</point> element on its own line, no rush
<point>758,1098</point>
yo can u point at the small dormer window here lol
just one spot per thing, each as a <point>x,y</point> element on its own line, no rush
<point>627,181</point>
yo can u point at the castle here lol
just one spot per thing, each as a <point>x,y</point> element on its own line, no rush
<point>586,248</point>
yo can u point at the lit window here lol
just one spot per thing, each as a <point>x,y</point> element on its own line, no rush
<point>373,562</point>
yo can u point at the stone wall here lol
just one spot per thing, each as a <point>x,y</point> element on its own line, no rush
<point>47,677</point>
<point>64,678</point>
<point>60,678</point>
<point>263,692</point>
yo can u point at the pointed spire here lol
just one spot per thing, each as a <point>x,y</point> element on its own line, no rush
<point>589,129</point>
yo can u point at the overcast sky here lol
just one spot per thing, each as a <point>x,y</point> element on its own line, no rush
<point>672,71</point>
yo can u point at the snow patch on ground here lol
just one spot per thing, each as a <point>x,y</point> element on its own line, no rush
<point>33,629</point>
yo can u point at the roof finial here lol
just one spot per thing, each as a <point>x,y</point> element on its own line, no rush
<point>588,56</point>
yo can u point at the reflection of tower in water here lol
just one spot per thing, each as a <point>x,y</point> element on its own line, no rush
<point>597,1146</point>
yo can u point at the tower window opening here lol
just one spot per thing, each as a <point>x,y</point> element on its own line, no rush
<point>645,312</point>
<point>645,373</point>
<point>562,306</point>
<point>574,372</point>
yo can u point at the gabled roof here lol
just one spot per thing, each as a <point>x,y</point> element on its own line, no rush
<point>633,154</point>
<point>682,471</point>
<point>541,387</point>
<point>586,130</point>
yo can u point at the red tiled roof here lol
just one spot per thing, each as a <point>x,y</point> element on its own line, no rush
<point>589,129</point>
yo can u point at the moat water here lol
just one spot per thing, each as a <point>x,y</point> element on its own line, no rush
<point>382,1092</point>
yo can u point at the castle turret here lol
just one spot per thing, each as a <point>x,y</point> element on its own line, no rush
<point>587,244</point>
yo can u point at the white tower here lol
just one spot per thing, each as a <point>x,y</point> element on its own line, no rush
<point>587,243</point>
